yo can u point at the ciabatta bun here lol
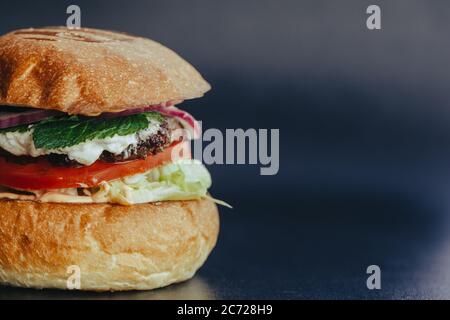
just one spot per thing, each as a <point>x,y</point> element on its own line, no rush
<point>89,71</point>
<point>116,247</point>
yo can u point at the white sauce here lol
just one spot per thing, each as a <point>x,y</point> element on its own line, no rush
<point>21,144</point>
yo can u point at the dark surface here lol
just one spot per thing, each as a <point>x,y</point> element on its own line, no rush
<point>322,252</point>
<point>363,116</point>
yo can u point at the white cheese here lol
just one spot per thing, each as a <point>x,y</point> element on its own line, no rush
<point>21,144</point>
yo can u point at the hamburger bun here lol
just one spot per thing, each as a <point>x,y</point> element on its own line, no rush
<point>137,247</point>
<point>89,71</point>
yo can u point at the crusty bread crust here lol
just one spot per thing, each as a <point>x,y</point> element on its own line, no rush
<point>90,71</point>
<point>116,247</point>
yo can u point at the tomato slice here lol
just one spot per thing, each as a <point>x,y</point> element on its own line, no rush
<point>43,175</point>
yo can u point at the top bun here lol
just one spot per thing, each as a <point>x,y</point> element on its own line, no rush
<point>89,71</point>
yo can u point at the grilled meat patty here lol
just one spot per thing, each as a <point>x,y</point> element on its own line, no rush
<point>150,146</point>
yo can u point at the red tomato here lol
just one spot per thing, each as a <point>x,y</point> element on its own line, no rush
<point>43,175</point>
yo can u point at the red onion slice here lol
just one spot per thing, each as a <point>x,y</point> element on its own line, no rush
<point>137,110</point>
<point>186,120</point>
<point>12,117</point>
<point>167,109</point>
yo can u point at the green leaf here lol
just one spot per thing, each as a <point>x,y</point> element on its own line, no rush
<point>20,129</point>
<point>58,133</point>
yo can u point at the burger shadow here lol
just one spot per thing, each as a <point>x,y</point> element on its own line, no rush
<point>194,289</point>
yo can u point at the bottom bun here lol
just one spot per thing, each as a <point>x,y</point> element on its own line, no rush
<point>110,247</point>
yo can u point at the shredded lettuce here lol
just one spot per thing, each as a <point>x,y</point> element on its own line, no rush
<point>184,180</point>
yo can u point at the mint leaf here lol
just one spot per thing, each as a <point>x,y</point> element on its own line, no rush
<point>58,133</point>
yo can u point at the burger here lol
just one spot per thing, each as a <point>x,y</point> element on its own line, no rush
<point>95,170</point>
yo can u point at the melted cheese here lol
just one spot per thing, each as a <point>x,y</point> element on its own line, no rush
<point>21,144</point>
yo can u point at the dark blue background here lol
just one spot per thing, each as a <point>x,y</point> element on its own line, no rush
<point>363,117</point>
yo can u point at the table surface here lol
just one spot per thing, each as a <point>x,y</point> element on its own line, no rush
<point>314,247</point>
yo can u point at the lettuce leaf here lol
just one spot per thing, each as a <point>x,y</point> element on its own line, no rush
<point>184,180</point>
